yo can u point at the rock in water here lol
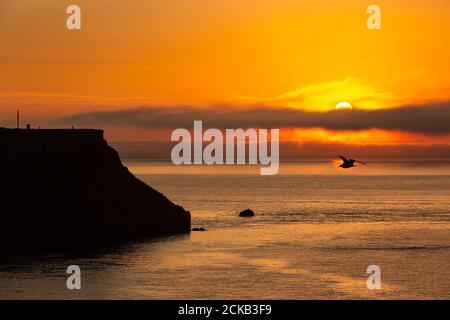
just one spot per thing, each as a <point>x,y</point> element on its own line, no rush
<point>68,186</point>
<point>246,213</point>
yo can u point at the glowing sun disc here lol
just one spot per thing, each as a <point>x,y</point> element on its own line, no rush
<point>344,106</point>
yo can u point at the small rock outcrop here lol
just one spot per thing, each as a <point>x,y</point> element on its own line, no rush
<point>199,229</point>
<point>61,187</point>
<point>246,213</point>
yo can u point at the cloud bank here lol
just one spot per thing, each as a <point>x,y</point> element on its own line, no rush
<point>429,119</point>
<point>160,150</point>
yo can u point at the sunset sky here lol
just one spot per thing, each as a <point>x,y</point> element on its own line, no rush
<point>145,67</point>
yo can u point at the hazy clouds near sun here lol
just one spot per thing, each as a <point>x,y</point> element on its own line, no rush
<point>426,119</point>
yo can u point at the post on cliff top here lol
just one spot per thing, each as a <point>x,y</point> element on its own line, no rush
<point>18,118</point>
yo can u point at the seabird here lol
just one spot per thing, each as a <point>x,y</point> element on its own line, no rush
<point>349,163</point>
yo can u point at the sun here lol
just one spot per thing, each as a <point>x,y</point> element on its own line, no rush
<point>343,105</point>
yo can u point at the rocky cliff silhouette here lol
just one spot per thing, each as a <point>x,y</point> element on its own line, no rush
<point>63,187</point>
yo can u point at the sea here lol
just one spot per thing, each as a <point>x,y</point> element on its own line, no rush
<point>318,233</point>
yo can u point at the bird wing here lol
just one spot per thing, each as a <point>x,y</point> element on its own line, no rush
<point>351,161</point>
<point>361,162</point>
<point>344,159</point>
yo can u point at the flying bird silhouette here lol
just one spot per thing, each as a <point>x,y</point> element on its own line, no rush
<point>349,163</point>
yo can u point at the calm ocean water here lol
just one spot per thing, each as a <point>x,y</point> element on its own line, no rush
<point>316,231</point>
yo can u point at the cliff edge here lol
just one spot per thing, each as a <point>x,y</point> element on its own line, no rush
<point>68,186</point>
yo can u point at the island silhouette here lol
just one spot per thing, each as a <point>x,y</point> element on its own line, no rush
<point>63,187</point>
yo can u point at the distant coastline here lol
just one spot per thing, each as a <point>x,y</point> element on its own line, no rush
<point>302,167</point>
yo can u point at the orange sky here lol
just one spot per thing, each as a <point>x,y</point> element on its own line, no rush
<point>301,54</point>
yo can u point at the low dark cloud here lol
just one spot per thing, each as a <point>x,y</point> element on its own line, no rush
<point>427,119</point>
<point>160,150</point>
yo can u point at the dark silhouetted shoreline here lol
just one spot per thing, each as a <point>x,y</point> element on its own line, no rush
<point>61,187</point>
